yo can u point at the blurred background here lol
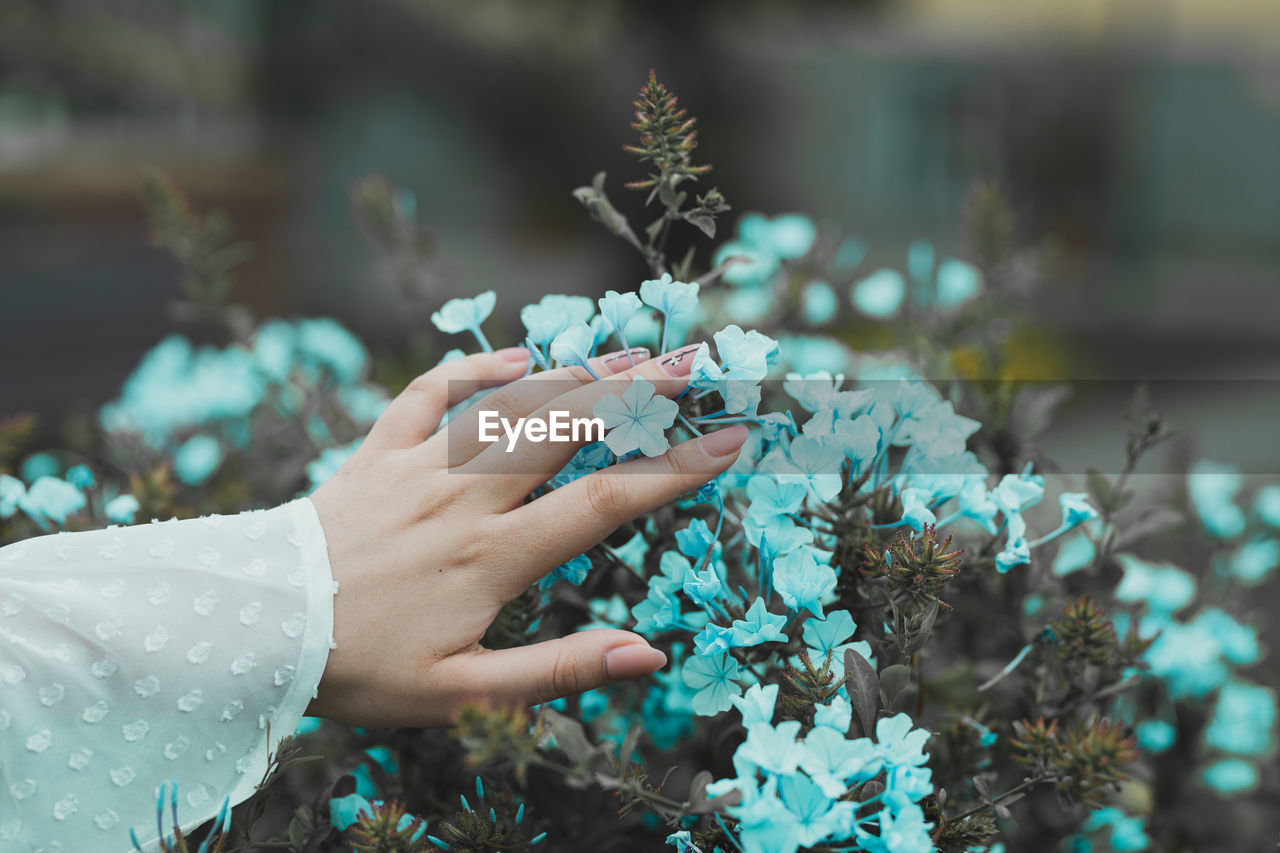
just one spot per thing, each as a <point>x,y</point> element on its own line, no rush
<point>1138,140</point>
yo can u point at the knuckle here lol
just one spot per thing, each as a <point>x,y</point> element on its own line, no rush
<point>606,494</point>
<point>564,675</point>
<point>432,386</point>
<point>682,462</point>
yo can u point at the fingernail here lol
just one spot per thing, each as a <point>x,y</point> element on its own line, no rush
<point>722,442</point>
<point>632,661</point>
<point>618,361</point>
<point>679,362</point>
<point>513,354</point>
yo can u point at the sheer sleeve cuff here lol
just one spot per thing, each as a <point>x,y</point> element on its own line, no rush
<point>131,657</point>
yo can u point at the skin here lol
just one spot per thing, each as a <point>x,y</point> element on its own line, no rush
<point>428,538</point>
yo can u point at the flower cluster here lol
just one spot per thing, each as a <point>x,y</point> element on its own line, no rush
<point>798,596</point>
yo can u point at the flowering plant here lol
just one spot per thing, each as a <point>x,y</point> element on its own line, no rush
<point>883,637</point>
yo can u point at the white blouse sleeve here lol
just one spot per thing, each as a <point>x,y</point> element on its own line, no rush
<point>132,656</point>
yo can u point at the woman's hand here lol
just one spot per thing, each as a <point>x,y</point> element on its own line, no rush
<point>430,535</point>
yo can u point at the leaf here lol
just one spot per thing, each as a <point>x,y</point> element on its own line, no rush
<point>598,205</point>
<point>1100,488</point>
<point>698,788</point>
<point>705,224</point>
<point>1160,518</point>
<point>983,788</point>
<point>629,744</point>
<point>667,195</point>
<point>893,681</point>
<point>698,802</point>
<point>570,737</point>
<point>863,689</point>
<point>922,634</point>
<point>1033,409</point>
<point>296,836</point>
<point>869,790</point>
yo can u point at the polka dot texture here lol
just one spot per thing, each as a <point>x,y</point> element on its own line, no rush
<point>134,655</point>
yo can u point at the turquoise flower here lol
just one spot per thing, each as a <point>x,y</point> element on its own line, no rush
<point>836,714</point>
<point>1164,588</point>
<point>323,342</point>
<point>660,611</point>
<point>802,581</point>
<point>859,440</point>
<point>695,540</point>
<point>824,636</point>
<point>915,509</point>
<point>880,294</point>
<point>176,387</point>
<point>618,309</point>
<point>904,832</point>
<point>197,459</point>
<point>683,842</point>
<point>713,640</point>
<point>121,509</point>
<point>757,704</point>
<point>772,496</point>
<point>1127,834</point>
<point>344,812</point>
<point>52,499</point>
<point>833,761</point>
<point>703,587</point>
<point>80,476</point>
<point>672,298</point>
<point>818,303</point>
<point>1212,489</point>
<point>898,742</point>
<point>906,784</point>
<point>1253,561</point>
<point>817,816</point>
<point>669,296</point>
<point>816,463</point>
<point>744,355</point>
<point>759,626</point>
<point>1074,554</point>
<point>1192,659</point>
<point>956,282</point>
<point>713,678</point>
<point>1018,492</point>
<point>575,345</point>
<point>1267,504</point>
<point>704,374</point>
<point>552,314</point>
<point>773,749</point>
<point>466,315</point>
<point>39,465</point>
<point>1016,552</point>
<point>1230,776</point>
<point>574,571</point>
<point>12,492</point>
<point>1243,721</point>
<point>637,419</point>
<point>1155,735</point>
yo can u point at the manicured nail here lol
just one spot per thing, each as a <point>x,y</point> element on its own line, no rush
<point>513,354</point>
<point>679,362</point>
<point>722,442</point>
<point>618,361</point>
<point>632,661</point>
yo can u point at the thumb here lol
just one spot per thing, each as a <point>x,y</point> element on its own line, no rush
<point>555,668</point>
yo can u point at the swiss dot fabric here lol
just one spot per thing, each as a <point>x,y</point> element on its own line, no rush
<point>131,656</point>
